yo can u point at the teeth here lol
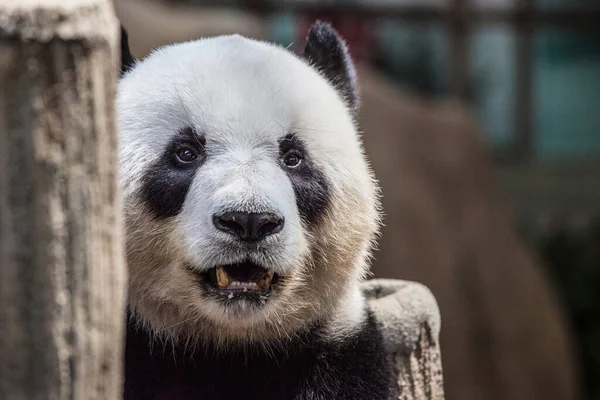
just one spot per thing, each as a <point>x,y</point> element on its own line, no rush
<point>222,278</point>
<point>224,281</point>
<point>242,285</point>
<point>265,280</point>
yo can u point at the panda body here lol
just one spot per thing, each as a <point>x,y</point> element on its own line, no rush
<point>307,367</point>
<point>250,214</point>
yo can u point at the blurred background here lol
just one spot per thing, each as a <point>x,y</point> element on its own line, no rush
<point>482,122</point>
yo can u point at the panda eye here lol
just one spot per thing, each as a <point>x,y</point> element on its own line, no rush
<point>186,155</point>
<point>292,159</point>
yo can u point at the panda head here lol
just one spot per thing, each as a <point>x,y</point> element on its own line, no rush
<point>250,207</point>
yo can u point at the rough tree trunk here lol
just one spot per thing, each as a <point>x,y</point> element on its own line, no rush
<point>62,270</point>
<point>410,321</point>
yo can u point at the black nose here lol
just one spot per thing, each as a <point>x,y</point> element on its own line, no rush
<point>249,226</point>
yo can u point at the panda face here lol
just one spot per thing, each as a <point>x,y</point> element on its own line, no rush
<point>249,204</point>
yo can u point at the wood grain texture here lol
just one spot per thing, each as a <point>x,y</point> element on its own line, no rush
<point>62,275</point>
<point>420,375</point>
<point>409,317</point>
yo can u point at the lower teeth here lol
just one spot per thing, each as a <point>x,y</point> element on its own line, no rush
<point>224,281</point>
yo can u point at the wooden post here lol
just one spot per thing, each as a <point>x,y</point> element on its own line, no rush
<point>410,321</point>
<point>62,268</point>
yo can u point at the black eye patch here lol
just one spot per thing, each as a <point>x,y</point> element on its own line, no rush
<point>167,181</point>
<point>310,185</point>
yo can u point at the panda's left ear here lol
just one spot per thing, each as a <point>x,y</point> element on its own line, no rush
<point>127,60</point>
<point>327,52</point>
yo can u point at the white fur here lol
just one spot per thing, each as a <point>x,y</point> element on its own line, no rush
<point>243,96</point>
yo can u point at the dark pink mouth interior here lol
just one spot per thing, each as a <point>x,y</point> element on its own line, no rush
<point>241,277</point>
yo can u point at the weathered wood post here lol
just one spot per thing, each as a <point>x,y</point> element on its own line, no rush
<point>410,319</point>
<point>62,270</point>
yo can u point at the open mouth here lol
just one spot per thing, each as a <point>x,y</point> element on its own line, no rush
<point>240,278</point>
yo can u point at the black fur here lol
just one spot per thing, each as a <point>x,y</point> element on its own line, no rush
<point>328,53</point>
<point>166,183</point>
<point>308,368</point>
<point>127,60</point>
<point>309,182</point>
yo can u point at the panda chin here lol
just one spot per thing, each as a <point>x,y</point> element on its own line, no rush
<point>243,280</point>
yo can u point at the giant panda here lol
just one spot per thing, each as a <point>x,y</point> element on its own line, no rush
<point>250,213</point>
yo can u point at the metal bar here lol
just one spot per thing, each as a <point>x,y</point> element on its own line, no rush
<point>523,144</point>
<point>459,26</point>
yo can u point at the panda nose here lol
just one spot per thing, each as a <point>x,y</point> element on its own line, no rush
<point>248,227</point>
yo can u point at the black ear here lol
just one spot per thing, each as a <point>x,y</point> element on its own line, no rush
<point>127,60</point>
<point>327,52</point>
